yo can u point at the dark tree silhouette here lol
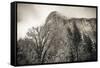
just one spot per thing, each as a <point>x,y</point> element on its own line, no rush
<point>76,38</point>
<point>24,51</point>
<point>89,48</point>
<point>70,38</point>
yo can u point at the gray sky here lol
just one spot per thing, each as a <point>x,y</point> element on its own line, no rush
<point>29,15</point>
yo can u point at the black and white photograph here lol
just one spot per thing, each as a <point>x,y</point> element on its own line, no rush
<point>48,34</point>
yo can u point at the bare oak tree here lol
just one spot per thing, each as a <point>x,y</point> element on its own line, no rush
<point>41,40</point>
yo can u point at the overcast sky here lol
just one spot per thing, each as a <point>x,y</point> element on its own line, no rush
<point>29,15</point>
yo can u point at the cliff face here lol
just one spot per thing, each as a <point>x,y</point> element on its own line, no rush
<point>74,38</point>
<point>84,25</point>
